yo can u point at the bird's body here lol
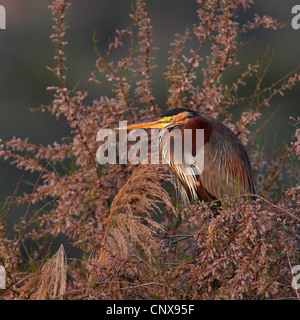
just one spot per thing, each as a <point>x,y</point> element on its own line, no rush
<point>227,170</point>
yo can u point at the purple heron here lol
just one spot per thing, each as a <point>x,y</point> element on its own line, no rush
<point>226,171</point>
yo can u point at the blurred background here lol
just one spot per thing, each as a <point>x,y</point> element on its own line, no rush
<point>26,49</point>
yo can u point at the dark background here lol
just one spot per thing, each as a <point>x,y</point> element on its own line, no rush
<point>26,49</point>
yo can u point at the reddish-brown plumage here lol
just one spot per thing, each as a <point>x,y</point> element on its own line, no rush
<point>199,123</point>
<point>227,170</point>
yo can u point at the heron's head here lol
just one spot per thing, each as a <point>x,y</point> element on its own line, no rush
<point>172,155</point>
<point>169,119</point>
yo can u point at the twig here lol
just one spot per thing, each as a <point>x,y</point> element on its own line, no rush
<point>258,130</point>
<point>179,238</point>
<point>264,199</point>
<point>139,285</point>
<point>277,207</point>
<point>10,202</point>
<point>4,233</point>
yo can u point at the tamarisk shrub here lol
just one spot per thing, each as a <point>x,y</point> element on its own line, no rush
<point>108,211</point>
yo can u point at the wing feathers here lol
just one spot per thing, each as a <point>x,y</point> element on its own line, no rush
<point>227,170</point>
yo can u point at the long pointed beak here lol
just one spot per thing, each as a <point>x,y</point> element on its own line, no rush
<point>158,124</point>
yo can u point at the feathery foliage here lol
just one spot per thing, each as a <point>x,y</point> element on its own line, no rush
<point>137,240</point>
